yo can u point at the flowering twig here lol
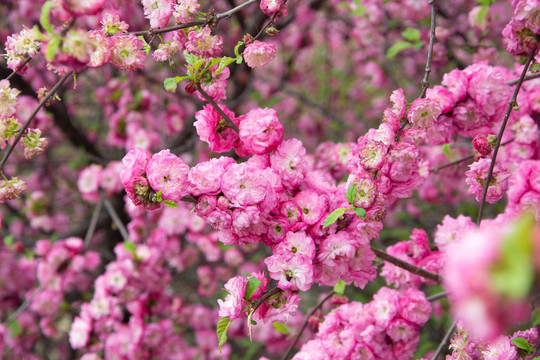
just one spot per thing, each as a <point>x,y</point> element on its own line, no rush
<point>304,325</point>
<point>406,266</point>
<point>437,296</point>
<point>18,69</point>
<point>270,23</point>
<point>225,117</point>
<point>425,80</point>
<point>444,341</point>
<point>211,20</point>
<point>116,219</point>
<point>511,105</point>
<point>31,117</point>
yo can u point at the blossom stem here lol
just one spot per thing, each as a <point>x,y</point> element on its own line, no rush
<point>437,296</point>
<point>213,20</point>
<point>226,118</point>
<point>406,266</point>
<point>425,80</point>
<point>18,69</point>
<point>93,222</point>
<point>528,77</point>
<point>23,307</point>
<point>511,105</point>
<point>31,117</point>
<point>304,325</point>
<point>444,341</point>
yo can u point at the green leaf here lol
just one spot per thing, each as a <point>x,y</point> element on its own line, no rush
<point>157,196</point>
<point>222,327</point>
<point>332,218</point>
<point>44,19</point>
<point>535,67</point>
<point>513,274</point>
<point>360,11</point>
<point>8,240</point>
<point>146,47</point>
<point>351,193</point>
<point>282,328</point>
<point>516,107</point>
<point>15,328</point>
<point>170,204</point>
<point>237,48</point>
<point>252,286</point>
<point>411,34</point>
<point>225,61</point>
<point>130,246</point>
<point>190,58</point>
<point>397,48</point>
<point>418,45</point>
<point>170,84</point>
<point>340,286</point>
<point>536,358</point>
<point>484,10</point>
<point>52,47</point>
<point>360,212</point>
<point>446,150</point>
<point>523,344</point>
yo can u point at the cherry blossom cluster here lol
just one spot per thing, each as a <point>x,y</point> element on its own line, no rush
<point>385,328</point>
<point>523,31</point>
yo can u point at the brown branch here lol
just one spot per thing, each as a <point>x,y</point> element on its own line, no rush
<point>18,69</point>
<point>511,104</point>
<point>444,341</point>
<point>406,266</point>
<point>437,296</point>
<point>304,325</point>
<point>528,77</point>
<point>211,20</point>
<point>425,80</point>
<point>34,113</point>
<point>225,117</point>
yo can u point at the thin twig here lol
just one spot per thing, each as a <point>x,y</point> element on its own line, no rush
<point>511,104</point>
<point>31,117</point>
<point>528,77</point>
<point>225,117</point>
<point>466,158</point>
<point>304,325</point>
<point>23,307</point>
<point>18,69</point>
<point>265,297</point>
<point>425,80</point>
<point>444,341</point>
<point>437,296</point>
<point>116,219</point>
<point>211,20</point>
<point>406,266</point>
<point>93,222</point>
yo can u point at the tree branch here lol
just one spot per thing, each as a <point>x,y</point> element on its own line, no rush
<point>425,80</point>
<point>511,104</point>
<point>444,341</point>
<point>406,266</point>
<point>225,117</point>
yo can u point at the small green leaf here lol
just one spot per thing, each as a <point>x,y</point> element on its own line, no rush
<point>397,48</point>
<point>15,328</point>
<point>360,11</point>
<point>8,240</point>
<point>190,58</point>
<point>170,84</point>
<point>535,67</point>
<point>130,246</point>
<point>351,193</point>
<point>411,34</point>
<point>418,45</point>
<point>225,61</point>
<point>52,47</point>
<point>484,10</point>
<point>446,150</point>
<point>523,344</point>
<point>222,327</point>
<point>340,286</point>
<point>252,286</point>
<point>44,19</point>
<point>146,47</point>
<point>237,48</point>
<point>516,107</point>
<point>536,358</point>
<point>170,204</point>
<point>282,328</point>
<point>158,196</point>
<point>360,212</point>
<point>332,218</point>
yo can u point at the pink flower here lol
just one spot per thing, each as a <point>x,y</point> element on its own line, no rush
<point>414,307</point>
<point>203,44</point>
<point>167,173</point>
<point>501,349</point>
<point>335,248</point>
<point>452,230</point>
<point>293,272</point>
<point>298,243</point>
<point>481,144</point>
<point>371,154</point>
<point>234,302</point>
<point>158,12</point>
<point>401,330</point>
<point>83,7</point>
<point>89,180</point>
<point>259,53</point>
<point>185,10</point>
<point>206,176</point>
<point>269,7</point>
<point>213,129</point>
<point>312,206</point>
<point>79,335</point>
<point>260,131</point>
<point>242,185</point>
<point>8,99</point>
<point>399,104</point>
<point>215,84</point>
<point>476,178</point>
<point>456,81</point>
<point>127,52</point>
<point>289,161</point>
<point>11,189</point>
<point>423,113</point>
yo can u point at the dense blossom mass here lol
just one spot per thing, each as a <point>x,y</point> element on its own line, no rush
<point>184,179</point>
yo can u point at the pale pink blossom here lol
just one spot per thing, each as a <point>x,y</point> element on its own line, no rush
<point>259,53</point>
<point>260,131</point>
